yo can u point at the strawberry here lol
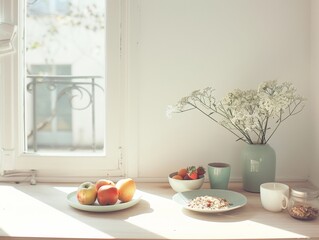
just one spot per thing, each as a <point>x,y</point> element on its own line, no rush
<point>192,172</point>
<point>200,171</point>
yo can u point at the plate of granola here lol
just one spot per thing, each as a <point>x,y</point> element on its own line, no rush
<point>210,200</point>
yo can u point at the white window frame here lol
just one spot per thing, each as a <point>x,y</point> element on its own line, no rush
<point>61,167</point>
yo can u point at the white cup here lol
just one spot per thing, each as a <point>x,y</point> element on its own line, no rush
<point>274,196</point>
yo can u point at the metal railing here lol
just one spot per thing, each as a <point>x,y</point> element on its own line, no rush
<point>84,85</point>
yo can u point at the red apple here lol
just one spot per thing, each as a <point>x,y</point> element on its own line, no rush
<point>86,193</point>
<point>101,182</point>
<point>107,195</point>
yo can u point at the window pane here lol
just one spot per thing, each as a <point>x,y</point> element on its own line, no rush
<point>64,82</point>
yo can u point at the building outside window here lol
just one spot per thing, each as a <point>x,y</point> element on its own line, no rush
<point>65,39</point>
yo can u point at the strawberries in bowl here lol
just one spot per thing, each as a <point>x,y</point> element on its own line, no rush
<point>190,173</point>
<point>187,179</point>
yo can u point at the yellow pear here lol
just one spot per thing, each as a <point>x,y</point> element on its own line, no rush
<point>126,188</point>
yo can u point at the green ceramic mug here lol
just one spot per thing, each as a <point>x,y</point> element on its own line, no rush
<point>218,174</point>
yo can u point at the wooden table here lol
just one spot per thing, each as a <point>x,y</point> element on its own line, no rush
<point>42,211</point>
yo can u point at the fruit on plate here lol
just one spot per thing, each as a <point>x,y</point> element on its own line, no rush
<point>107,195</point>
<point>190,173</point>
<point>86,193</point>
<point>101,182</point>
<point>106,192</point>
<point>126,188</point>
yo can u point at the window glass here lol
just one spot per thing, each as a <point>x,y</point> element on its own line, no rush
<point>64,79</point>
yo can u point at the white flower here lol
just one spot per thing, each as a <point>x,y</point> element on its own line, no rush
<point>248,114</point>
<point>170,110</point>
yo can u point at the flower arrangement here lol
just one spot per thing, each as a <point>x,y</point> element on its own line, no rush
<point>253,116</point>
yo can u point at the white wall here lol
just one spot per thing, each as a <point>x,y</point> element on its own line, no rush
<point>314,166</point>
<point>177,46</point>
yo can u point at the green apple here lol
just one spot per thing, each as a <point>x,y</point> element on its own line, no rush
<point>86,193</point>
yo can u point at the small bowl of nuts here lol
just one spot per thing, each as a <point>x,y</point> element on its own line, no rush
<point>187,179</point>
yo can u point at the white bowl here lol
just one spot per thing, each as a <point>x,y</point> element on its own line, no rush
<point>184,185</point>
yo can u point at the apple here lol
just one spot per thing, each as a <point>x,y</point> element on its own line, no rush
<point>107,195</point>
<point>99,183</point>
<point>126,188</point>
<point>86,193</point>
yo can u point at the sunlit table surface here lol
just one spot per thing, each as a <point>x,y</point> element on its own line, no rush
<point>42,211</point>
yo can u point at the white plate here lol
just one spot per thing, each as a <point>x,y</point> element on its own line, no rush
<point>236,199</point>
<point>73,202</point>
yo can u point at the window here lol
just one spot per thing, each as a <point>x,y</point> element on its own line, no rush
<point>56,7</point>
<point>50,119</point>
<point>62,105</point>
<point>65,68</point>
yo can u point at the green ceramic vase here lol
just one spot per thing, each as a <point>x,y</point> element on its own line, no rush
<point>258,166</point>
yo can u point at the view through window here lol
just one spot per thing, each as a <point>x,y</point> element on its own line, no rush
<point>64,76</point>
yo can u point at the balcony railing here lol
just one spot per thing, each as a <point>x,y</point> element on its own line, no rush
<point>65,86</point>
